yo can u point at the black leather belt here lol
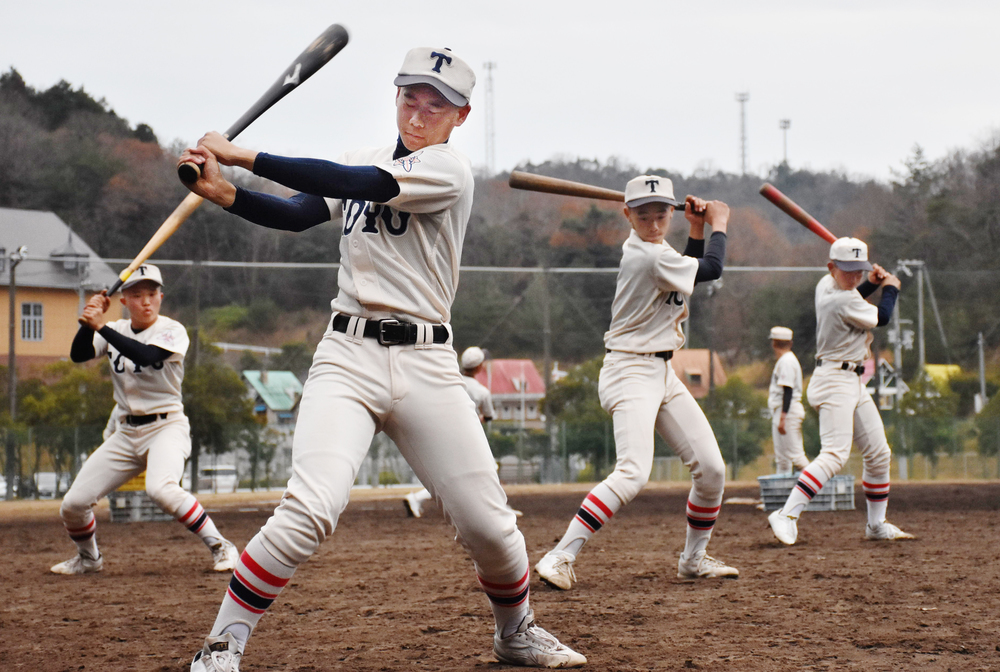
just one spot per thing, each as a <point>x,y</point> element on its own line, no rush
<point>665,354</point>
<point>137,420</point>
<point>846,366</point>
<point>390,332</point>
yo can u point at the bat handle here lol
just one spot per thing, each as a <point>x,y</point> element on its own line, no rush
<point>189,172</point>
<point>115,287</point>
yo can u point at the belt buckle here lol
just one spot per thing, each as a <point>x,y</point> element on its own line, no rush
<point>385,340</point>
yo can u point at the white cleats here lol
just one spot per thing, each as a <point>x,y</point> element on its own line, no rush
<point>220,654</point>
<point>531,646</point>
<point>79,564</point>
<point>556,569</point>
<point>705,567</point>
<point>884,532</point>
<point>224,556</point>
<point>785,528</point>
<point>412,505</point>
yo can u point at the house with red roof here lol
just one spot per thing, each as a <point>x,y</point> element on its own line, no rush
<point>517,388</point>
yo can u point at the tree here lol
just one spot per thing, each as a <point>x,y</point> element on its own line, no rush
<point>740,421</point>
<point>261,444</point>
<point>928,416</point>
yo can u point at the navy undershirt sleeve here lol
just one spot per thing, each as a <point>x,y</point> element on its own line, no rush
<point>298,213</point>
<point>867,288</point>
<point>710,266</point>
<point>886,304</point>
<point>140,353</point>
<point>326,178</point>
<point>82,349</point>
<point>695,248</point>
<point>786,398</point>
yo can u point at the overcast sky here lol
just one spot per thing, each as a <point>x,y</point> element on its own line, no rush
<point>651,82</point>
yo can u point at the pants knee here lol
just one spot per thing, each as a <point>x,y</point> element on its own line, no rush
<point>626,482</point>
<point>167,495</point>
<point>709,478</point>
<point>73,509</point>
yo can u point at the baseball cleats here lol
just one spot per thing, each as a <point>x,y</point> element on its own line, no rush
<point>886,531</point>
<point>224,556</point>
<point>705,567</point>
<point>79,564</point>
<point>220,654</point>
<point>532,646</point>
<point>556,569</point>
<point>412,505</point>
<point>785,528</point>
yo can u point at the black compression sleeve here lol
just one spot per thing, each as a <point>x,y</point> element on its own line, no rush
<point>866,288</point>
<point>298,213</point>
<point>786,398</point>
<point>82,349</point>
<point>886,304</point>
<point>695,248</point>
<point>329,179</point>
<point>140,353</point>
<point>710,266</point>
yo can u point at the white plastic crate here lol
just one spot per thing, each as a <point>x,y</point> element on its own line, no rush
<point>837,494</point>
<point>135,506</point>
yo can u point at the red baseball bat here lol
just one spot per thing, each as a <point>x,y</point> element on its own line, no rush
<point>792,209</point>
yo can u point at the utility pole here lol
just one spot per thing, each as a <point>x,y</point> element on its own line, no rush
<point>16,258</point>
<point>742,99</point>
<point>784,124</point>
<point>982,374</point>
<point>489,67</point>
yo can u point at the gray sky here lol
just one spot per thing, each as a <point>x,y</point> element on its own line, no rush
<point>651,82</point>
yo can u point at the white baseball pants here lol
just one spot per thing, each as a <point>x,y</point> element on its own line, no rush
<point>788,450</point>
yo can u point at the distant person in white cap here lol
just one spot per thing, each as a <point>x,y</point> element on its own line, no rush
<point>638,385</point>
<point>784,400</point>
<point>472,361</point>
<point>844,321</point>
<point>147,431</point>
<point>386,362</point>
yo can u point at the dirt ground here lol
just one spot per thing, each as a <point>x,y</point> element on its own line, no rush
<point>392,593</point>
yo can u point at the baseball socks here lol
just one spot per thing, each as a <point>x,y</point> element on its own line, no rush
<point>701,517</point>
<point>509,598</point>
<point>193,517</point>
<point>595,511</point>
<point>802,493</point>
<point>257,580</point>
<point>85,536</point>
<point>877,495</point>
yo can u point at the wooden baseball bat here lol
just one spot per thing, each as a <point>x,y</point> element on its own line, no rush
<point>792,209</point>
<point>316,55</point>
<point>553,185</point>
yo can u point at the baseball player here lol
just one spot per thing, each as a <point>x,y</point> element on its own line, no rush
<point>385,362</point>
<point>638,386</point>
<point>148,430</point>
<point>472,362</point>
<point>844,321</point>
<point>784,400</point>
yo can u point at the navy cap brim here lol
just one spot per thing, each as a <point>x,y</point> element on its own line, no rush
<point>653,199</point>
<point>453,96</point>
<point>852,265</point>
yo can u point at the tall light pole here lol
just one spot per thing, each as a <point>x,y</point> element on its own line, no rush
<point>742,99</point>
<point>489,67</point>
<point>783,125</point>
<point>16,258</point>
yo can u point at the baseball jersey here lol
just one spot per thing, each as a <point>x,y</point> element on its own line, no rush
<point>654,281</point>
<point>400,259</point>
<point>844,321</point>
<point>144,390</point>
<point>787,373</point>
<point>480,396</point>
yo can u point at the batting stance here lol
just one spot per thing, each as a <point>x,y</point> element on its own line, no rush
<point>844,321</point>
<point>638,386</point>
<point>386,362</point>
<point>147,430</point>
<point>784,400</point>
<point>472,362</point>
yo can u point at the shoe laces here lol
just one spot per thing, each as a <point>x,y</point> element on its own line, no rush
<point>564,563</point>
<point>223,661</point>
<point>712,562</point>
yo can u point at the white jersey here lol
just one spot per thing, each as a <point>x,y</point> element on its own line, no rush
<point>787,373</point>
<point>401,259</point>
<point>144,390</point>
<point>480,396</point>
<point>654,283</point>
<point>844,321</point>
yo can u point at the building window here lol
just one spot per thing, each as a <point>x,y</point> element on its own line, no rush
<point>31,322</point>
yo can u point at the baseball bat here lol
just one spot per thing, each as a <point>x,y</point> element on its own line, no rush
<point>792,209</point>
<point>554,185</point>
<point>316,55</point>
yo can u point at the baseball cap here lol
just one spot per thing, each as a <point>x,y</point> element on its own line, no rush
<point>144,272</point>
<point>850,254</point>
<point>649,188</point>
<point>472,357</point>
<point>780,334</point>
<point>440,68</point>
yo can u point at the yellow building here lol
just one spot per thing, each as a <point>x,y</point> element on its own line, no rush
<point>57,275</point>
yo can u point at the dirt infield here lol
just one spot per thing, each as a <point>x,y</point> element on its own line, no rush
<point>392,593</point>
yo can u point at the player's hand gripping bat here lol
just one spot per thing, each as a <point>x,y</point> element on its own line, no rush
<point>792,209</point>
<point>316,55</point>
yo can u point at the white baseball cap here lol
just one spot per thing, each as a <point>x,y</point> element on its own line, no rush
<point>780,334</point>
<point>850,254</point>
<point>472,357</point>
<point>649,189</point>
<point>144,272</point>
<point>440,68</point>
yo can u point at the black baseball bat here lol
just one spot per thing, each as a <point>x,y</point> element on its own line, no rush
<point>316,55</point>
